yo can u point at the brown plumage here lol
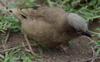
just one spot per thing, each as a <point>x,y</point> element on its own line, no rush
<point>51,26</point>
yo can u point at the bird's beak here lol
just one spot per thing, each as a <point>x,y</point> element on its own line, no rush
<point>89,34</point>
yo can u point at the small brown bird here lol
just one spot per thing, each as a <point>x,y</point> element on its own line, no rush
<point>51,26</point>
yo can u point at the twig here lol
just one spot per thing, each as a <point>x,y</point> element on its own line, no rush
<point>94,55</point>
<point>23,44</point>
<point>15,48</point>
<point>28,43</point>
<point>94,32</point>
<point>63,2</point>
<point>49,3</point>
<point>6,39</point>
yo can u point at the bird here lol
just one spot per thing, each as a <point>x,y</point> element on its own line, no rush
<point>51,26</point>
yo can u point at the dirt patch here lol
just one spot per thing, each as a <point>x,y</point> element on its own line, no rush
<point>78,51</point>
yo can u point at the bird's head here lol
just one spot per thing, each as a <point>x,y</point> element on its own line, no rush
<point>79,24</point>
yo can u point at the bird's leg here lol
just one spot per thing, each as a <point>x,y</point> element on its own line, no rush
<point>28,43</point>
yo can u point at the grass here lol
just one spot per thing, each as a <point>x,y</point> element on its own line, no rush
<point>19,55</point>
<point>9,22</point>
<point>89,11</point>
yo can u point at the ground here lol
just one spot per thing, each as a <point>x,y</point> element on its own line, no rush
<point>78,51</point>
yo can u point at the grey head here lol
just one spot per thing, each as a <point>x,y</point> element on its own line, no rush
<point>78,23</point>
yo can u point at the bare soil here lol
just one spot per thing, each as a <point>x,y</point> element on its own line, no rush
<point>78,51</point>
